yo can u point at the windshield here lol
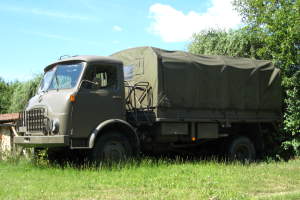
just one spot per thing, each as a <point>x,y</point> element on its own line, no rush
<point>62,76</point>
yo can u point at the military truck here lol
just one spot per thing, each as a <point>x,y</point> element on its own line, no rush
<point>149,99</point>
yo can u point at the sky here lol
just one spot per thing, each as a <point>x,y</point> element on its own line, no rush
<point>36,33</point>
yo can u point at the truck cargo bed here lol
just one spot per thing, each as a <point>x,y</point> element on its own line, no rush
<point>186,86</point>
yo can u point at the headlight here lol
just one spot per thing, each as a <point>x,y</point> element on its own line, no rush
<point>55,126</point>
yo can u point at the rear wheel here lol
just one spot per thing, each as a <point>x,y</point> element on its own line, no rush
<point>112,147</point>
<point>242,149</point>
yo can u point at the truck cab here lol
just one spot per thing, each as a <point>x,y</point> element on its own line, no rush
<point>76,99</point>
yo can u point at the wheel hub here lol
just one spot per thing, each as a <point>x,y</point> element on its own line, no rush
<point>114,151</point>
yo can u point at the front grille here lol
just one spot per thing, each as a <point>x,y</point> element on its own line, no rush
<point>34,120</point>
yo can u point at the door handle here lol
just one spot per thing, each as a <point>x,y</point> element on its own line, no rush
<point>116,97</point>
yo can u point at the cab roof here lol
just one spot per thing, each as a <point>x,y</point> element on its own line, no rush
<point>85,58</point>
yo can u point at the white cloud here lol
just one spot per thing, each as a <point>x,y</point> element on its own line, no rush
<point>117,28</point>
<point>174,26</point>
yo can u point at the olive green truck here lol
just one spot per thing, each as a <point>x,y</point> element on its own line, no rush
<point>147,99</point>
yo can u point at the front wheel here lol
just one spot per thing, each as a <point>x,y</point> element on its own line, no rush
<point>112,147</point>
<point>242,149</point>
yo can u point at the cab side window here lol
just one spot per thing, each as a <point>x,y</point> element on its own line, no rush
<point>100,77</point>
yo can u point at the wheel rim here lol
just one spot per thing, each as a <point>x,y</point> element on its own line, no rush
<point>242,152</point>
<point>114,151</point>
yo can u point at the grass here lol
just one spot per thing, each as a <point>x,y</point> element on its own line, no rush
<point>152,179</point>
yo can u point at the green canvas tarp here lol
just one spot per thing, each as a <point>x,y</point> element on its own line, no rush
<point>193,86</point>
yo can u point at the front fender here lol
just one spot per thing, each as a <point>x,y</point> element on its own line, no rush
<point>113,123</point>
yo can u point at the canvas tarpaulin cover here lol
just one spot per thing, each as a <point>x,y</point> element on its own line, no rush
<point>185,81</point>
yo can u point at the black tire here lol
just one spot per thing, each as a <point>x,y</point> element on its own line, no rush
<point>112,147</point>
<point>242,149</point>
<point>58,155</point>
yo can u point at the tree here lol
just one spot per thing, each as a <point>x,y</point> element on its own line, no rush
<point>236,43</point>
<point>15,95</point>
<point>22,93</point>
<point>5,95</point>
<point>279,22</point>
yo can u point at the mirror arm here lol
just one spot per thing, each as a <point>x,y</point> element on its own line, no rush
<point>84,80</point>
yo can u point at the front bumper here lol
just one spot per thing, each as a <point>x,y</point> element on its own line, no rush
<point>42,141</point>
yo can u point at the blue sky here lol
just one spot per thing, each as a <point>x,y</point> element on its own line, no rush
<point>36,33</point>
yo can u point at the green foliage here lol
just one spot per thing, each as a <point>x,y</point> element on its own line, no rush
<point>238,43</point>
<point>6,93</point>
<point>271,31</point>
<point>22,93</point>
<point>292,114</point>
<point>5,96</point>
<point>14,96</point>
<point>279,23</point>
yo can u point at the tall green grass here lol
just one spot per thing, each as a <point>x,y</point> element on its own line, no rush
<point>151,179</point>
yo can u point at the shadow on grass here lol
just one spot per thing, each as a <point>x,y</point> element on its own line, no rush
<point>82,162</point>
<point>64,158</point>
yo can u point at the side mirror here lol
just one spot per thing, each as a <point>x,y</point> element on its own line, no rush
<point>87,84</point>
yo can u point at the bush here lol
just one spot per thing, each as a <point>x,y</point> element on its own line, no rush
<point>22,93</point>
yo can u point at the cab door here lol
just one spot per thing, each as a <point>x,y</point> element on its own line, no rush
<point>100,97</point>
